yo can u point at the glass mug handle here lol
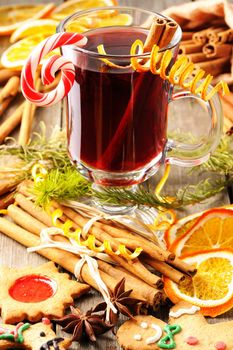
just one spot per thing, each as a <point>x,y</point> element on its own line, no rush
<point>188,155</point>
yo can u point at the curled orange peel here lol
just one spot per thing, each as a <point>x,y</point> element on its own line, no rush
<point>38,172</point>
<point>90,242</point>
<point>182,73</point>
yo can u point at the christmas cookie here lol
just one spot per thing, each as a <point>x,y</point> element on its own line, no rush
<point>187,330</point>
<point>197,333</point>
<point>34,292</point>
<point>142,332</point>
<point>39,336</point>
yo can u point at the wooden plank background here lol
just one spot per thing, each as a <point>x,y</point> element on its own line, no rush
<point>15,255</point>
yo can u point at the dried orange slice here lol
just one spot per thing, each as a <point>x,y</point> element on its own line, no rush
<point>211,288</point>
<point>72,6</point>
<point>42,26</point>
<point>16,55</point>
<point>13,16</point>
<point>213,229</point>
<point>181,226</point>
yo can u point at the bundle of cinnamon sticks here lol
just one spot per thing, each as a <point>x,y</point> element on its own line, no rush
<point>141,273</point>
<point>210,48</point>
<point>208,40</point>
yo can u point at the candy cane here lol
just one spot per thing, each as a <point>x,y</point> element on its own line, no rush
<point>49,69</point>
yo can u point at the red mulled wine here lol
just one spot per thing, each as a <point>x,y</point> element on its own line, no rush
<point>117,117</point>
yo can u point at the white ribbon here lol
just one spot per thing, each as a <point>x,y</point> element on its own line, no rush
<point>90,222</point>
<point>86,257</point>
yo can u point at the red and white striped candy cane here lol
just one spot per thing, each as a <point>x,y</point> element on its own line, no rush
<point>49,69</point>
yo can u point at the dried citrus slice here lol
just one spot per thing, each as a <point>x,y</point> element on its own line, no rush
<point>211,288</point>
<point>213,229</point>
<point>13,16</point>
<point>42,26</point>
<point>15,56</point>
<point>84,24</point>
<point>181,226</point>
<point>73,6</point>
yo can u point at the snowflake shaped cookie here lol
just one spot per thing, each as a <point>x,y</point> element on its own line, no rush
<point>34,292</point>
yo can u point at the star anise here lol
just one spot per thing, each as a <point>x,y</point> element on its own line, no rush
<point>122,302</point>
<point>83,325</point>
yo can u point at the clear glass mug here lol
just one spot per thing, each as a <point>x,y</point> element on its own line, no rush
<point>117,117</point>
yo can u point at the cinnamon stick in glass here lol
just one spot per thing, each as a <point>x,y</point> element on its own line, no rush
<point>155,33</point>
<point>168,34</point>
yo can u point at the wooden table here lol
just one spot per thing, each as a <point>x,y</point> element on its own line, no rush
<point>15,255</point>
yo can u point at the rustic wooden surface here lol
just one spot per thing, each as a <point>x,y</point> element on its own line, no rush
<point>15,255</point>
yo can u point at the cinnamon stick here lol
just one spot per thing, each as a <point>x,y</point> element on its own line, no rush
<point>225,36</point>
<point>216,66</point>
<point>155,33</point>
<point>25,220</point>
<point>10,89</point>
<point>166,270</point>
<point>190,48</point>
<point>6,199</point>
<point>187,36</point>
<point>184,267</point>
<point>122,235</point>
<point>213,33</point>
<point>214,50</point>
<point>36,212</point>
<point>5,103</point>
<point>27,119</point>
<point>11,122</point>
<point>118,273</point>
<point>7,185</point>
<point>168,34</point>
<point>6,74</point>
<point>198,57</point>
<point>201,36</point>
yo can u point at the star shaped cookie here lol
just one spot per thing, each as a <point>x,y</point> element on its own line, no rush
<point>34,292</point>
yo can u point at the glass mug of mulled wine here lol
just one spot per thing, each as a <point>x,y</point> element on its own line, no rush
<point>116,116</point>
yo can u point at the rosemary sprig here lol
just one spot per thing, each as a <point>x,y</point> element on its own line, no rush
<point>61,184</point>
